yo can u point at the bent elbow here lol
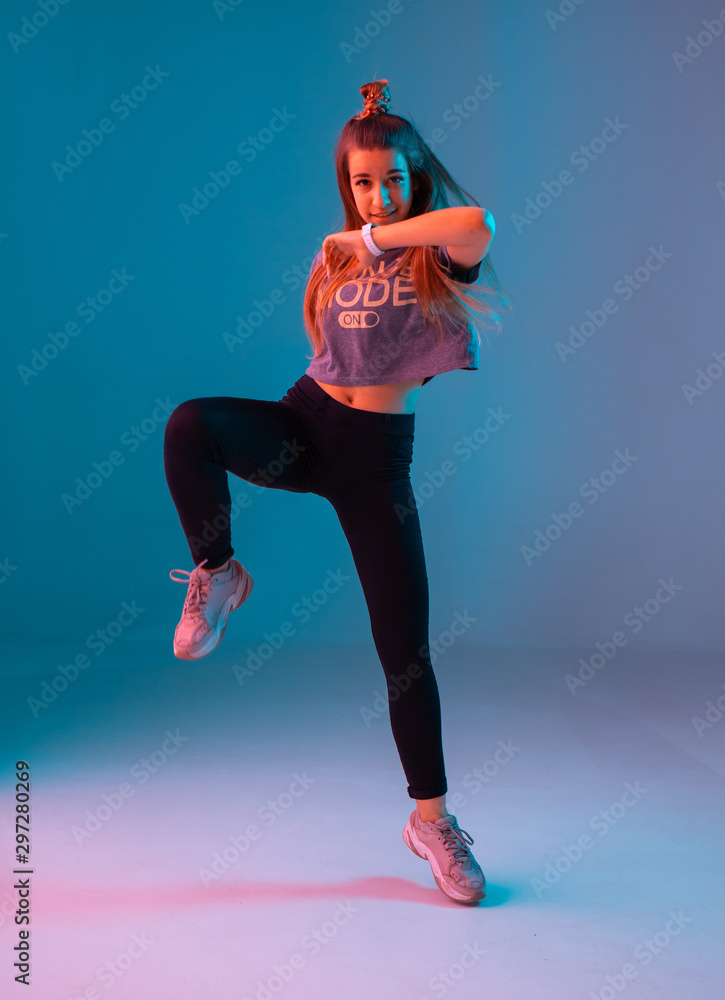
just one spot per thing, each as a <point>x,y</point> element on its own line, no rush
<point>489,227</point>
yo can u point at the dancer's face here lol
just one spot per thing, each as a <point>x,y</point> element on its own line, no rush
<point>381,184</point>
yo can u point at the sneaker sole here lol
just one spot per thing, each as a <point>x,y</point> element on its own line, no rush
<point>245,586</point>
<point>416,847</point>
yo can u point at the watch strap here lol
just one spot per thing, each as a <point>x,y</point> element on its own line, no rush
<point>367,237</point>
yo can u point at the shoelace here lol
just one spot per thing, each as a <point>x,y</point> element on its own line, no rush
<point>198,594</point>
<point>455,841</point>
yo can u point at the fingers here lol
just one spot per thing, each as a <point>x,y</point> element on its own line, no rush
<point>333,256</point>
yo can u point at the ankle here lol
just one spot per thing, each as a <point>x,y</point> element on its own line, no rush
<point>220,569</point>
<point>426,817</point>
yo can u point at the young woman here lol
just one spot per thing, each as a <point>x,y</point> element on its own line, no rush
<point>385,311</point>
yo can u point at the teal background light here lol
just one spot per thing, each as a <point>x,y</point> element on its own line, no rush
<point>244,102</point>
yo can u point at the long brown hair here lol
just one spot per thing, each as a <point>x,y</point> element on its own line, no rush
<point>442,299</point>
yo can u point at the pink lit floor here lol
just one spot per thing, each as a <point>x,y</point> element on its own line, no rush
<point>198,834</point>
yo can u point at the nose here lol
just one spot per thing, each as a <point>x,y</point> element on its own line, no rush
<point>381,199</point>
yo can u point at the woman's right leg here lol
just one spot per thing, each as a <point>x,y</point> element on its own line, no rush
<point>261,441</point>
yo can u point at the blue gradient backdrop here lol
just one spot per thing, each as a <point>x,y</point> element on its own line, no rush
<point>220,76</point>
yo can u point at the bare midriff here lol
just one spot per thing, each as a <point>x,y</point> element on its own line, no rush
<point>393,397</point>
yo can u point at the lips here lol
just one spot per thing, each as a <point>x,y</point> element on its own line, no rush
<point>385,216</point>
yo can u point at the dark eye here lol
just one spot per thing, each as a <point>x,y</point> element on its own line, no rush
<point>364,180</point>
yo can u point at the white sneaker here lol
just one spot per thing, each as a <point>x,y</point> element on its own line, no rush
<point>445,845</point>
<point>210,600</point>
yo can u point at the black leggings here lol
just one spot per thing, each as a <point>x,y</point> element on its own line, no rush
<point>358,460</point>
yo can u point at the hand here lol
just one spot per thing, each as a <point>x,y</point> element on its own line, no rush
<point>339,246</point>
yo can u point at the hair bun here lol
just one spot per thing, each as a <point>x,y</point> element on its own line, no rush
<point>376,98</point>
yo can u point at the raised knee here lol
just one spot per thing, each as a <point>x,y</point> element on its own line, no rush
<point>187,419</point>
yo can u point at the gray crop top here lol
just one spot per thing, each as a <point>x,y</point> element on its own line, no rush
<point>375,334</point>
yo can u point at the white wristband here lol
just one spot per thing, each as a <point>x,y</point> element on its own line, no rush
<point>369,240</point>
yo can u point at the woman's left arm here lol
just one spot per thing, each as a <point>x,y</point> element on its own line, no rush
<point>465,231</point>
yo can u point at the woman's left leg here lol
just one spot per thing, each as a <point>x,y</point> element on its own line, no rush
<point>381,523</point>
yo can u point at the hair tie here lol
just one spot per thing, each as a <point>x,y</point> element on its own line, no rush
<point>375,103</point>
